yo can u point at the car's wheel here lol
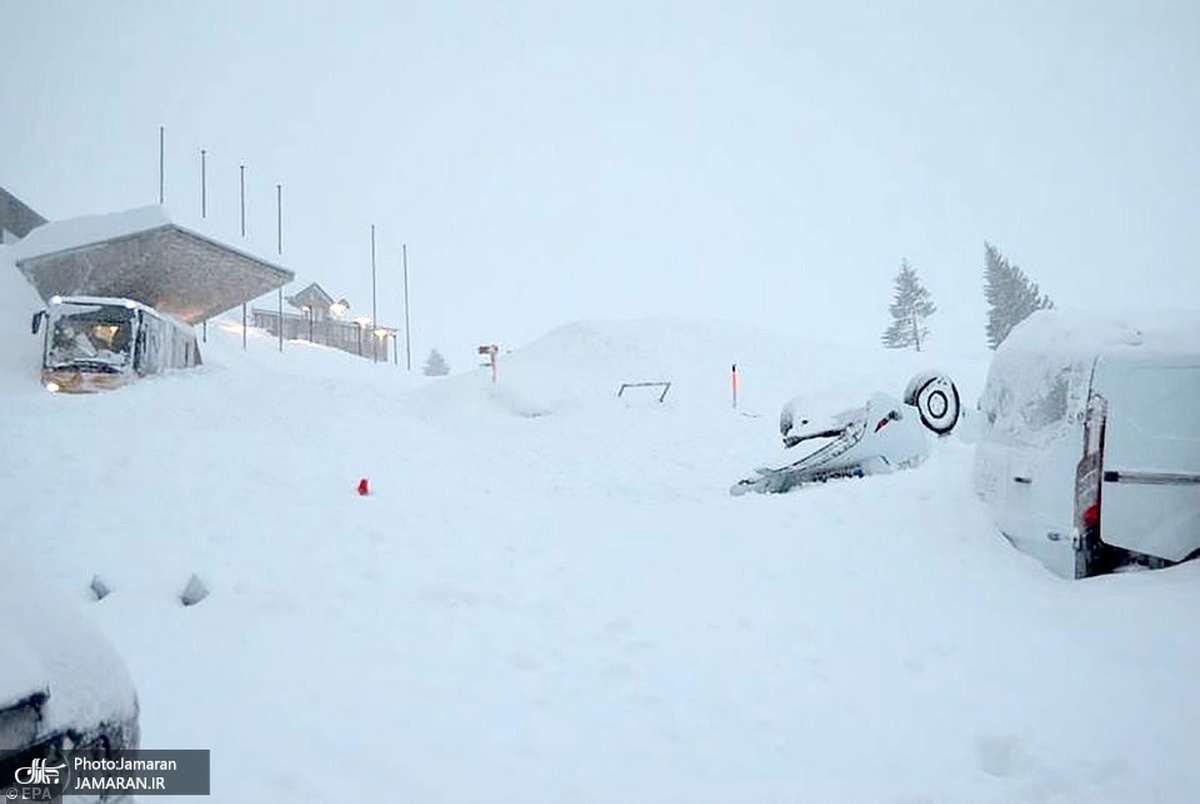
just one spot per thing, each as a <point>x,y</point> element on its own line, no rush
<point>936,398</point>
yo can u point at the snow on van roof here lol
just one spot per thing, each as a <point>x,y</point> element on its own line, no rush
<point>1090,332</point>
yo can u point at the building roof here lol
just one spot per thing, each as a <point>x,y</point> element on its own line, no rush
<point>145,256</point>
<point>16,217</point>
<point>312,296</point>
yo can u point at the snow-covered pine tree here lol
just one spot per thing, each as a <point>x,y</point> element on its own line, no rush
<point>912,304</point>
<point>436,365</point>
<point>1011,297</point>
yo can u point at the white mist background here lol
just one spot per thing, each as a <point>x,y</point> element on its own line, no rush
<point>752,161</point>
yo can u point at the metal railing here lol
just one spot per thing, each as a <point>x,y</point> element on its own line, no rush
<point>666,386</point>
<point>349,336</point>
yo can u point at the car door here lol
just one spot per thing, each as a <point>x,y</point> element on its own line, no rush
<point>1150,491</point>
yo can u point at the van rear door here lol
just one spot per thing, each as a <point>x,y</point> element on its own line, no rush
<point>1150,494</point>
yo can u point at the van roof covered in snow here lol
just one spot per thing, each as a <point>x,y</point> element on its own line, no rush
<point>1082,333</point>
<point>1039,381</point>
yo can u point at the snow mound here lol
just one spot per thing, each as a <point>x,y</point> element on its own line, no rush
<point>20,349</point>
<point>51,648</point>
<point>580,367</point>
<point>559,578</point>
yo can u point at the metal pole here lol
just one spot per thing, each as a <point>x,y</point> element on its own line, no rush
<point>203,183</point>
<point>241,177</point>
<point>279,250</point>
<point>374,309</point>
<point>242,180</point>
<point>407,335</point>
<point>162,160</point>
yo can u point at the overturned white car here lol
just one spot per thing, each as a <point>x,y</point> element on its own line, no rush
<point>881,436</point>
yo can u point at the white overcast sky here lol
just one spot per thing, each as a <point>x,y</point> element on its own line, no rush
<point>550,161</point>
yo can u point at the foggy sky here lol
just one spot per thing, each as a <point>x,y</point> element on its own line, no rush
<point>551,161</point>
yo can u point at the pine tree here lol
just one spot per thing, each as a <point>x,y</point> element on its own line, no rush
<point>911,306</point>
<point>1010,295</point>
<point>436,365</point>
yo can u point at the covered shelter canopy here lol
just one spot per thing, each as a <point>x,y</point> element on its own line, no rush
<point>145,256</point>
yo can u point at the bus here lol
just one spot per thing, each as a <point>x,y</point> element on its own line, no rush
<point>96,343</point>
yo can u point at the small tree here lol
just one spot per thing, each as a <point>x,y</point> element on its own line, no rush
<point>435,365</point>
<point>1011,297</point>
<point>910,307</point>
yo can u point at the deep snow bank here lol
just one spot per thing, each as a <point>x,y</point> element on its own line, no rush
<point>20,350</point>
<point>570,607</point>
<point>582,366</point>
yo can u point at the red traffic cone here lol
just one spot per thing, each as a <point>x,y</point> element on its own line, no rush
<point>363,488</point>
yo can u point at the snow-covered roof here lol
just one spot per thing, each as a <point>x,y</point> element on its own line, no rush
<point>103,301</point>
<point>16,216</point>
<point>314,295</point>
<point>57,236</point>
<point>143,254</point>
<point>1084,333</point>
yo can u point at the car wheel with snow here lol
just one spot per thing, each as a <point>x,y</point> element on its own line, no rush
<point>936,398</point>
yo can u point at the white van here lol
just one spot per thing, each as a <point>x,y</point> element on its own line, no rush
<point>1088,450</point>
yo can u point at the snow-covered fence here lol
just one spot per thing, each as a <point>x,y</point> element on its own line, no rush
<point>349,336</point>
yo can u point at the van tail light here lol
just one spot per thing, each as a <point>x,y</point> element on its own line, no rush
<point>1088,475</point>
<point>1087,494</point>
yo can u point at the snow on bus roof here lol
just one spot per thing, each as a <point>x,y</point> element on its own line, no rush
<point>1089,332</point>
<point>106,301</point>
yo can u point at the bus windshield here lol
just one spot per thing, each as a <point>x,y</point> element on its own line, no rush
<point>93,335</point>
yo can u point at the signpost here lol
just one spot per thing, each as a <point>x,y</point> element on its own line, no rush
<point>491,350</point>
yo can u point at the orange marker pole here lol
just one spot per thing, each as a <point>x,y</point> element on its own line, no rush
<point>733,380</point>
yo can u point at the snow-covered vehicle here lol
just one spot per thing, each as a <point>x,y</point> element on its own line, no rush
<point>94,343</point>
<point>1089,452</point>
<point>881,436</point>
<point>62,688</point>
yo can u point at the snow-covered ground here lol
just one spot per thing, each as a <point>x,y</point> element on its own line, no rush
<point>550,595</point>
